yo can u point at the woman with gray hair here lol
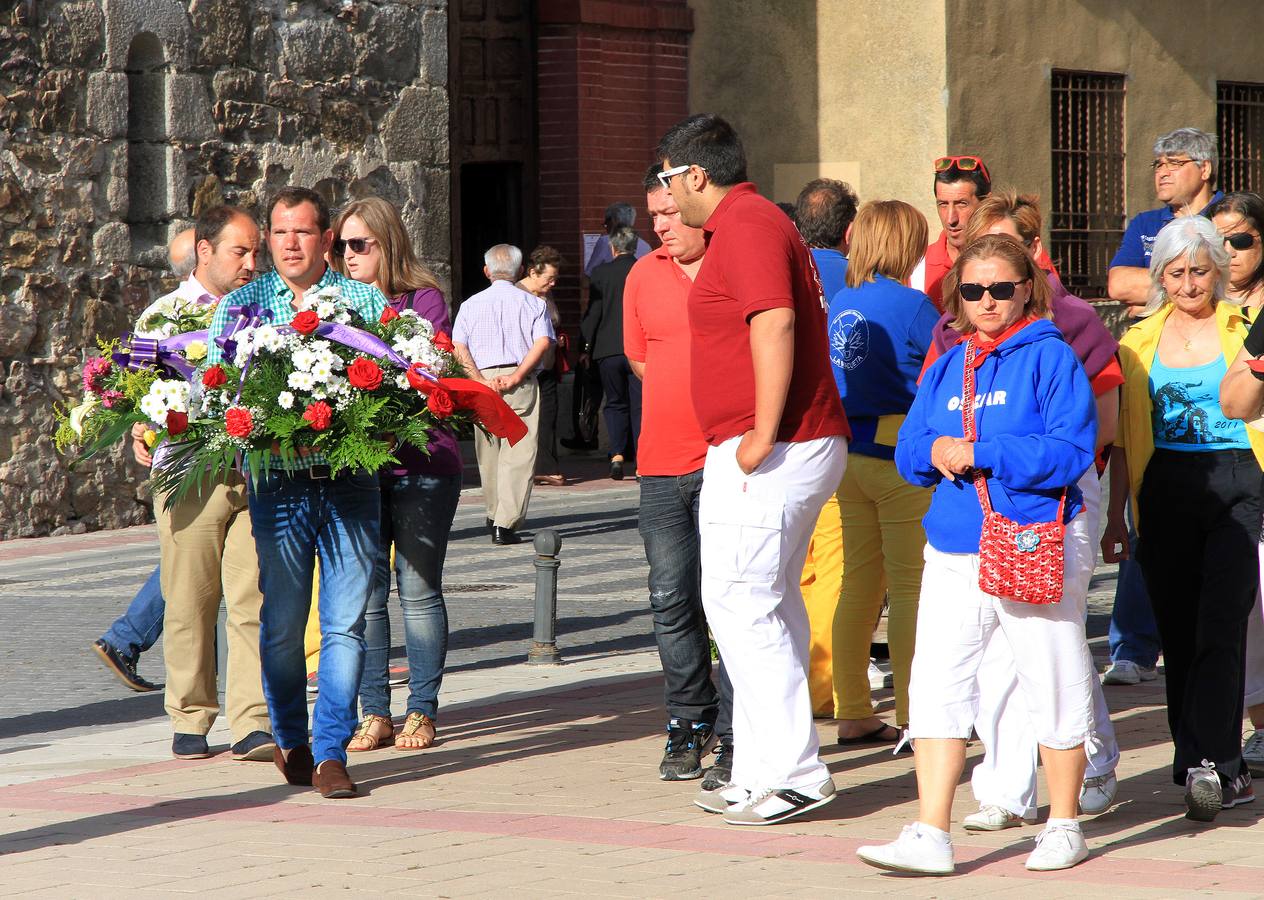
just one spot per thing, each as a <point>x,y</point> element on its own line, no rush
<point>1194,477</point>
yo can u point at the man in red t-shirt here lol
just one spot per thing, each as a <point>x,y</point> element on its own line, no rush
<point>670,457</point>
<point>767,406</point>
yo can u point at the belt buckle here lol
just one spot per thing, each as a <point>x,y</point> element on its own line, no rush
<point>318,472</point>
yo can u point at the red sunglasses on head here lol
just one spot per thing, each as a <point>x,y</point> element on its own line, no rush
<point>962,164</point>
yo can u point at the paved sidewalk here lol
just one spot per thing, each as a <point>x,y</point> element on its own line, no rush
<point>543,783</point>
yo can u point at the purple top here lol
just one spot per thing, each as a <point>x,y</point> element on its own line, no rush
<point>445,453</point>
<point>1075,318</point>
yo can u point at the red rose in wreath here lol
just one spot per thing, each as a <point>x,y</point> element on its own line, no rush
<point>214,377</point>
<point>365,374</point>
<point>177,422</point>
<point>238,422</point>
<point>305,322</point>
<point>319,415</point>
<point>388,315</point>
<point>439,402</point>
<point>443,342</point>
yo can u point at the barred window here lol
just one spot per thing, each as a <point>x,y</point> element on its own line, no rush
<point>1240,124</point>
<point>1086,219</point>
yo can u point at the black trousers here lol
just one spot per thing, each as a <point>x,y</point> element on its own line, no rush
<point>623,405</point>
<point>1200,524</point>
<point>546,457</point>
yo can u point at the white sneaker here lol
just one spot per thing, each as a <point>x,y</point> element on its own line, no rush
<point>1125,671</point>
<point>914,851</point>
<point>993,818</point>
<point>878,679</point>
<point>1098,793</point>
<point>1058,847</point>
<point>778,804</point>
<point>1253,752</point>
<point>721,799</point>
<point>1204,795</point>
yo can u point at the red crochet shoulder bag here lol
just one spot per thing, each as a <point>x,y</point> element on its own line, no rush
<point>1016,562</point>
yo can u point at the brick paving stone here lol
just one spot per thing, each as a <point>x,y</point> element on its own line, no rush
<point>543,782</point>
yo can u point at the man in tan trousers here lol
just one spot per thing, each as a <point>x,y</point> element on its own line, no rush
<point>501,335</point>
<point>208,549</point>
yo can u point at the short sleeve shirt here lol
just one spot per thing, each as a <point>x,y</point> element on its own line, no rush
<point>756,261</point>
<point>656,332</point>
<point>1143,230</point>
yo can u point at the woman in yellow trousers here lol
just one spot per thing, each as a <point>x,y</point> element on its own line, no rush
<point>879,333</point>
<point>821,583</point>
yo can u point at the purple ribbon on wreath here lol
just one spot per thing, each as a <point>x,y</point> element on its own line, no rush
<point>246,315</point>
<point>140,353</point>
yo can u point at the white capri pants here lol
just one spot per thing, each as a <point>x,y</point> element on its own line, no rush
<point>1006,775</point>
<point>955,623</point>
<point>755,530</point>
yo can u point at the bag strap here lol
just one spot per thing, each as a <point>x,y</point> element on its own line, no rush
<point>969,430</point>
<point>968,425</point>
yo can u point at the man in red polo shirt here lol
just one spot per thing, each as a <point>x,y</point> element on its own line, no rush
<point>961,183</point>
<point>670,457</point>
<point>766,402</point>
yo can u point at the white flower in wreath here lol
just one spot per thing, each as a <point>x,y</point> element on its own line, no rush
<point>285,400</point>
<point>401,382</point>
<point>301,381</point>
<point>321,372</point>
<point>325,309</point>
<point>336,384</point>
<point>343,318</point>
<point>303,359</point>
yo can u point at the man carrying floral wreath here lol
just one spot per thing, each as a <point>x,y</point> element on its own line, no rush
<point>298,511</point>
<point>205,539</point>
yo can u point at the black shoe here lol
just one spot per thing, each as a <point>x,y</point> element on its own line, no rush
<point>123,667</point>
<point>504,536</point>
<point>616,469</point>
<point>190,746</point>
<point>254,747</point>
<point>686,742</point>
<point>721,771</point>
<point>491,526</point>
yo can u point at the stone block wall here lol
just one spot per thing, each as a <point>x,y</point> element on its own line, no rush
<point>122,119</point>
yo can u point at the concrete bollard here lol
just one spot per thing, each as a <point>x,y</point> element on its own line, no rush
<point>544,650</point>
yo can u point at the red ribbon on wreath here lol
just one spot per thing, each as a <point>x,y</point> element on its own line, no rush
<point>490,408</point>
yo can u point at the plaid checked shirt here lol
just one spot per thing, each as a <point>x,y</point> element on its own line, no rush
<point>271,293</point>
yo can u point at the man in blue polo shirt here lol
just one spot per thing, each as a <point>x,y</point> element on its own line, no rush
<point>824,213</point>
<point>1184,181</point>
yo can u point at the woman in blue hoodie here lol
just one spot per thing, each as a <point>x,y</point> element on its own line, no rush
<point>1036,427</point>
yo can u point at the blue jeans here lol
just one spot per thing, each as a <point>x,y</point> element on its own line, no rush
<point>417,513</point>
<point>669,527</point>
<point>1134,635</point>
<point>295,517</point>
<point>138,629</point>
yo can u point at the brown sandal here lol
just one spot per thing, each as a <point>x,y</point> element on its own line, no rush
<point>419,726</point>
<point>366,738</point>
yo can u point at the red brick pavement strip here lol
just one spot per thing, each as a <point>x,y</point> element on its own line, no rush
<point>30,548</point>
<point>65,794</point>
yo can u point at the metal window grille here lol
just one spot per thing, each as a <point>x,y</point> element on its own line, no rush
<point>1087,213</point>
<point>1240,125</point>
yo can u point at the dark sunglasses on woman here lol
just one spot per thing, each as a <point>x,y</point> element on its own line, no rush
<point>1000,290</point>
<point>357,245</point>
<point>1240,241</point>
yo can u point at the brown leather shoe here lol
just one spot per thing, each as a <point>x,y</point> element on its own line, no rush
<point>332,780</point>
<point>298,768</point>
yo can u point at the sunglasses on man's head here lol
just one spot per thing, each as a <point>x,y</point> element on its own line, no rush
<point>1240,241</point>
<point>1000,290</point>
<point>357,245</point>
<point>962,164</point>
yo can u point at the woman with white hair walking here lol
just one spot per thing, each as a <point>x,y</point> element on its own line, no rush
<point>1194,477</point>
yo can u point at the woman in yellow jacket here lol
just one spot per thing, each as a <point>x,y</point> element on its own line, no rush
<point>1194,477</point>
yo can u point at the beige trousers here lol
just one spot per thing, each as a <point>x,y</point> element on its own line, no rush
<point>507,472</point>
<point>208,550</point>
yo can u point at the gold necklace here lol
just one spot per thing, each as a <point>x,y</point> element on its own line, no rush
<point>1189,340</point>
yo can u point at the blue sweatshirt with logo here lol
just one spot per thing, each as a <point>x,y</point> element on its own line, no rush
<point>1036,420</point>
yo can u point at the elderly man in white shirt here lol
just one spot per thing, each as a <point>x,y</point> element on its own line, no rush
<point>501,335</point>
